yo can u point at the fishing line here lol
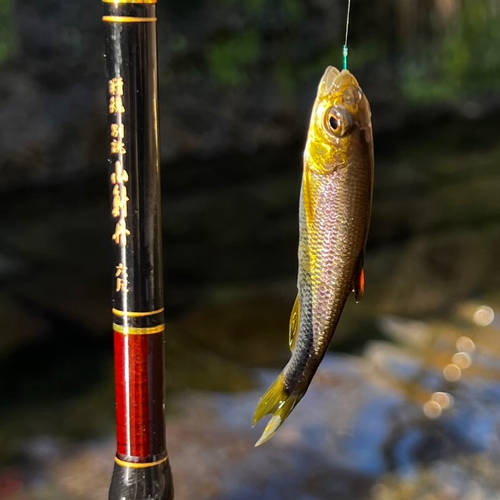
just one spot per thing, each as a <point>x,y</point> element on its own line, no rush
<point>345,49</point>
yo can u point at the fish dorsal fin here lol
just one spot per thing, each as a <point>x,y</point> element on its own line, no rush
<point>294,322</point>
<point>359,277</point>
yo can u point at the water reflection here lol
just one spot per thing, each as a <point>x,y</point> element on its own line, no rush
<point>456,455</point>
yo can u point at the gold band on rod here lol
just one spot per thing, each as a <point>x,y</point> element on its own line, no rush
<point>133,465</point>
<point>129,330</point>
<point>131,314</point>
<point>124,19</point>
<point>118,2</point>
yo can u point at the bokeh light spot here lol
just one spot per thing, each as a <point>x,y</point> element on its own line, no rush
<point>443,399</point>
<point>452,373</point>
<point>432,409</point>
<point>465,344</point>
<point>462,360</point>
<point>484,316</point>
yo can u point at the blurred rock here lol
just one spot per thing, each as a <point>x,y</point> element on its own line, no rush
<point>60,240</point>
<point>250,330</point>
<point>208,367</point>
<point>437,271</point>
<point>21,324</point>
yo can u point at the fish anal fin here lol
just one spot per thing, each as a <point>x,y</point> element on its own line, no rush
<point>359,278</point>
<point>294,323</point>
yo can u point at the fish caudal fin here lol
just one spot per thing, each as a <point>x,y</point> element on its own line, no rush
<point>277,402</point>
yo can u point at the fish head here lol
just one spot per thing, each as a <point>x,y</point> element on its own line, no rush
<point>340,120</point>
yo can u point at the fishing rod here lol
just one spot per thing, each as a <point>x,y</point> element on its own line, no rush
<point>142,468</point>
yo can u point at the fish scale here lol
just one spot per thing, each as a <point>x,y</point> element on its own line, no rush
<point>334,215</point>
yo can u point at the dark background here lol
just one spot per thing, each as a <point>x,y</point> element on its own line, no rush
<point>237,82</point>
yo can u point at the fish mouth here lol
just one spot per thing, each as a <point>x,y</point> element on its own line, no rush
<point>334,81</point>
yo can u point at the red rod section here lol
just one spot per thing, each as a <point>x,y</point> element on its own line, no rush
<point>139,417</point>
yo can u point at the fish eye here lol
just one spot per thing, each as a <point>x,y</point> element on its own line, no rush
<point>338,121</point>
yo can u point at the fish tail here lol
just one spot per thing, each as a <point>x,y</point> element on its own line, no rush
<point>278,402</point>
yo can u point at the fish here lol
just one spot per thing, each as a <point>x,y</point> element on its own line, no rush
<point>334,217</point>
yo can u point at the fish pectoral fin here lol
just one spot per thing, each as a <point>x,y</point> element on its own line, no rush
<point>359,278</point>
<point>277,402</point>
<point>294,323</point>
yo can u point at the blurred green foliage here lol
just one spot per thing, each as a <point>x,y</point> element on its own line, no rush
<point>7,31</point>
<point>230,59</point>
<point>286,78</point>
<point>462,57</point>
<point>251,6</point>
<point>293,9</point>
